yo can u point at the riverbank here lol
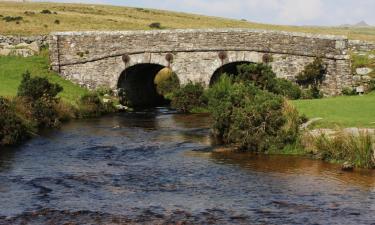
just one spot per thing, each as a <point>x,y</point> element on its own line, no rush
<point>33,98</point>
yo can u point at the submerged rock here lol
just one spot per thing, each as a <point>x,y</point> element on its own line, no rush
<point>347,166</point>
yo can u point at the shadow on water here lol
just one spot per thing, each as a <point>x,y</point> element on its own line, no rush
<point>140,168</point>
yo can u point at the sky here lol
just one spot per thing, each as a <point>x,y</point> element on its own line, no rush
<point>289,12</point>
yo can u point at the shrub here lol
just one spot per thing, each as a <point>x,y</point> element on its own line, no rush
<point>44,113</point>
<point>155,25</point>
<point>313,73</point>
<point>29,13</point>
<point>312,93</point>
<point>311,78</point>
<point>101,91</point>
<point>348,91</point>
<point>37,87</point>
<point>90,105</point>
<point>40,95</point>
<point>247,117</point>
<point>286,88</point>
<point>262,76</point>
<point>188,97</point>
<point>46,11</point>
<point>12,128</point>
<point>57,21</point>
<point>12,18</point>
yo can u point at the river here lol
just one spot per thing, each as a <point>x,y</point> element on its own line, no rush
<point>155,167</point>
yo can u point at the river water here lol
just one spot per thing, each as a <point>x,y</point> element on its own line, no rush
<point>155,167</point>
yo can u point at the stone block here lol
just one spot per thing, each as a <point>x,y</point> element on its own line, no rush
<point>34,46</point>
<point>5,52</point>
<point>363,71</point>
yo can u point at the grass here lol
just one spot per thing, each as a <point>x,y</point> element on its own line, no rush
<point>101,17</point>
<point>341,111</point>
<point>12,68</point>
<point>343,147</point>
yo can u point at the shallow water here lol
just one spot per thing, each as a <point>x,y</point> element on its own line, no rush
<point>153,167</point>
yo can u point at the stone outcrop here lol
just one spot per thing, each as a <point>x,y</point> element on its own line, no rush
<point>94,59</point>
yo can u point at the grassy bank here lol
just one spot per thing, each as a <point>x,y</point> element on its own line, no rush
<point>70,17</point>
<point>341,111</point>
<point>12,68</point>
<point>42,100</point>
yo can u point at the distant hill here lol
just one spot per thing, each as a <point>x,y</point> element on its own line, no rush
<point>72,17</point>
<point>361,24</point>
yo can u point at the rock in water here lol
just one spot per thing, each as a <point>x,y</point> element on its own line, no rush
<point>347,166</point>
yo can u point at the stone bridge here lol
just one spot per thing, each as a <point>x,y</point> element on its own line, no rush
<point>116,59</point>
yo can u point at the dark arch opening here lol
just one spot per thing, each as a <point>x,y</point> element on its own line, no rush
<point>230,69</point>
<point>137,82</point>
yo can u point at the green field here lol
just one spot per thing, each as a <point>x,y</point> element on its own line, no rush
<point>72,17</point>
<point>13,67</point>
<point>342,111</point>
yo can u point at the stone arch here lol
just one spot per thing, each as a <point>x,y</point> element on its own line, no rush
<point>137,81</point>
<point>228,68</point>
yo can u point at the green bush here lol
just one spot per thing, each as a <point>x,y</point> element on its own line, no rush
<point>155,25</point>
<point>313,73</point>
<point>90,105</point>
<point>12,18</point>
<point>311,78</point>
<point>37,87</point>
<point>262,76</point>
<point>46,11</point>
<point>12,128</point>
<point>348,91</point>
<point>188,97</point>
<point>44,113</point>
<point>312,93</point>
<point>286,88</point>
<point>40,96</point>
<point>248,117</point>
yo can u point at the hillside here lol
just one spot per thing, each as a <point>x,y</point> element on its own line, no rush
<point>70,17</point>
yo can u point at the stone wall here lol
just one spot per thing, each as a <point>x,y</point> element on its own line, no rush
<point>21,46</point>
<point>361,46</point>
<point>362,77</point>
<point>94,58</point>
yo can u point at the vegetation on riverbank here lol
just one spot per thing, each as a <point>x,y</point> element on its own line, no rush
<point>40,99</point>
<point>12,68</point>
<point>31,19</point>
<point>355,150</point>
<point>251,113</point>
